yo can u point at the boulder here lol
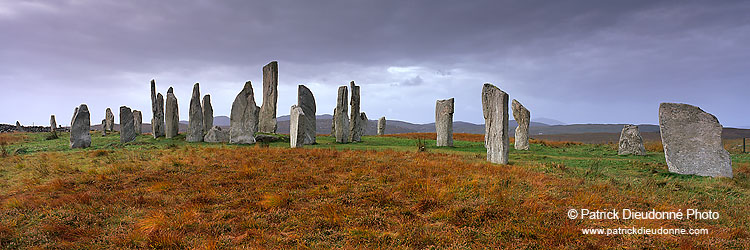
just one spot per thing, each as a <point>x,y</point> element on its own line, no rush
<point>495,110</point>
<point>306,101</point>
<point>523,118</point>
<point>195,117</point>
<point>157,109</point>
<point>79,130</point>
<point>340,117</point>
<point>267,122</point>
<point>137,121</point>
<point>208,114</point>
<point>216,134</point>
<point>171,115</point>
<point>109,119</point>
<point>127,125</point>
<point>268,138</point>
<point>444,122</point>
<point>381,126</point>
<point>692,141</point>
<point>296,127</point>
<point>355,123</point>
<point>244,117</point>
<point>631,142</point>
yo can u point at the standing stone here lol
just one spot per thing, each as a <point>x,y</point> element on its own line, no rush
<point>355,122</point>
<point>52,124</point>
<point>104,127</point>
<point>692,141</point>
<point>137,121</point>
<point>208,114</point>
<point>79,130</point>
<point>495,110</point>
<point>216,134</point>
<point>444,122</point>
<point>19,128</point>
<point>74,116</point>
<point>195,122</point>
<point>523,118</point>
<point>244,117</point>
<point>110,120</point>
<point>267,123</point>
<point>381,126</point>
<point>157,110</point>
<point>631,142</point>
<point>127,125</point>
<point>171,115</point>
<point>340,117</point>
<point>306,101</point>
<point>363,124</point>
<point>333,124</point>
<point>296,127</point>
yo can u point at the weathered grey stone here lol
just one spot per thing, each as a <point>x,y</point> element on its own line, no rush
<point>52,124</point>
<point>267,138</point>
<point>692,141</point>
<point>267,122</point>
<point>171,115</point>
<point>104,127</point>
<point>244,117</point>
<point>363,126</point>
<point>444,122</point>
<point>333,123</point>
<point>306,101</point>
<point>296,126</point>
<point>195,121</point>
<point>631,142</point>
<point>495,110</point>
<point>79,131</point>
<point>208,114</point>
<point>355,123</point>
<point>381,126</point>
<point>127,125</point>
<point>137,121</point>
<point>216,134</point>
<point>157,110</point>
<point>74,116</point>
<point>109,125</point>
<point>340,116</point>
<point>19,128</point>
<point>523,118</point>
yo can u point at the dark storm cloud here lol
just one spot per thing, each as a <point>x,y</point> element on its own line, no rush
<point>584,61</point>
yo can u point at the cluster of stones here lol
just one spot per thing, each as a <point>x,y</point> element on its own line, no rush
<point>348,124</point>
<point>444,122</point>
<point>157,109</point>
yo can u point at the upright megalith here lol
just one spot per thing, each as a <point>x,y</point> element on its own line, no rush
<point>73,118</point>
<point>355,123</point>
<point>104,127</point>
<point>208,114</point>
<point>340,117</point>
<point>19,128</point>
<point>243,119</point>
<point>444,122</point>
<point>79,130</point>
<point>157,110</point>
<point>381,126</point>
<point>267,122</point>
<point>631,142</point>
<point>306,101</point>
<point>127,125</point>
<point>109,118</point>
<point>363,124</point>
<point>523,118</point>
<point>495,110</point>
<point>171,115</point>
<point>137,121</point>
<point>52,125</point>
<point>195,121</point>
<point>297,122</point>
<point>692,141</point>
<point>216,134</point>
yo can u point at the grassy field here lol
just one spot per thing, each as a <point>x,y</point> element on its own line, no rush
<point>381,193</point>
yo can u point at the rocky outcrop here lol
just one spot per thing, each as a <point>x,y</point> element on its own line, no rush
<point>296,127</point>
<point>381,126</point>
<point>208,114</point>
<point>692,141</point>
<point>244,117</point>
<point>157,110</point>
<point>79,132</point>
<point>523,118</point>
<point>267,122</point>
<point>355,122</point>
<point>340,116</point>
<point>444,122</point>
<point>495,110</point>
<point>216,135</point>
<point>631,142</point>
<point>306,101</point>
<point>195,119</point>
<point>127,125</point>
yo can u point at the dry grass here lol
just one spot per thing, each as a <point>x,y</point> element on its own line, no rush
<point>433,136</point>
<point>7,139</point>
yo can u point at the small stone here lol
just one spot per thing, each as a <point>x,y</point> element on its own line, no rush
<point>208,113</point>
<point>79,131</point>
<point>306,101</point>
<point>631,142</point>
<point>692,141</point>
<point>244,117</point>
<point>264,138</point>
<point>444,122</point>
<point>171,115</point>
<point>267,122</point>
<point>381,126</point>
<point>355,129</point>
<point>296,127</point>
<point>127,128</point>
<point>340,117</point>
<point>216,135</point>
<point>137,121</point>
<point>19,128</point>
<point>523,118</point>
<point>495,110</point>
<point>195,121</point>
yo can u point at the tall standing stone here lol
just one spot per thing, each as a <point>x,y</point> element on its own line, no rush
<point>333,123</point>
<point>244,117</point>
<point>79,130</point>
<point>631,142</point>
<point>363,124</point>
<point>306,101</point>
<point>208,114</point>
<point>127,125</point>
<point>297,125</point>
<point>692,141</point>
<point>137,121</point>
<point>104,127</point>
<point>171,115</point>
<point>19,128</point>
<point>195,122</point>
<point>523,118</point>
<point>110,118</point>
<point>355,122</point>
<point>52,124</point>
<point>157,110</point>
<point>444,122</point>
<point>381,126</point>
<point>267,123</point>
<point>340,116</point>
<point>73,118</point>
<point>495,110</point>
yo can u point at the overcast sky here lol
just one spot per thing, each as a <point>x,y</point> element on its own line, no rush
<point>577,62</point>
